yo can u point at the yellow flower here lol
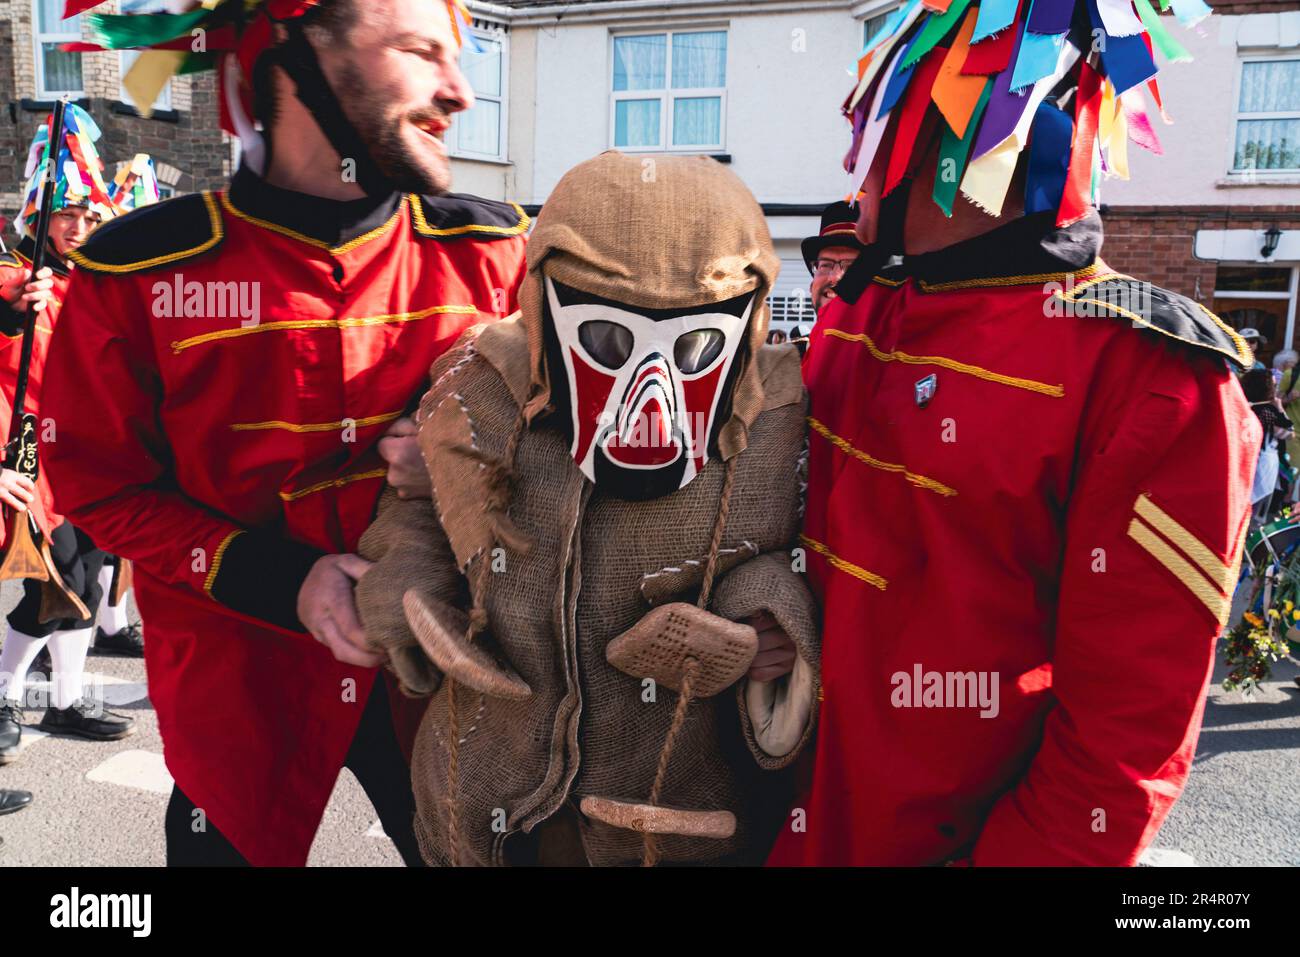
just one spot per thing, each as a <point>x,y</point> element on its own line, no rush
<point>1253,618</point>
<point>1272,613</point>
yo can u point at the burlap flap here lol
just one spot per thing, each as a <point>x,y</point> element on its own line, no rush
<point>674,582</point>
<point>410,551</point>
<point>504,344</point>
<point>460,479</point>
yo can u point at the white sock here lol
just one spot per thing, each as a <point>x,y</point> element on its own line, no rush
<point>68,651</point>
<point>15,659</point>
<point>112,618</point>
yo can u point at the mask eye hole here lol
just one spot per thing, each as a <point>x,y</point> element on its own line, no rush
<point>698,350</point>
<point>607,342</point>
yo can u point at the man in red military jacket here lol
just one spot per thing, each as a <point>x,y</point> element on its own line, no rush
<point>237,359</point>
<point>1029,483</point>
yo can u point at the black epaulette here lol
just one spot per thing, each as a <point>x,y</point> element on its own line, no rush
<point>168,232</point>
<point>1150,307</point>
<point>454,215</point>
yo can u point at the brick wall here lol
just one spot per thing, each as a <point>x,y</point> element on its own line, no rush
<point>11,149</point>
<point>1156,244</point>
<point>188,147</point>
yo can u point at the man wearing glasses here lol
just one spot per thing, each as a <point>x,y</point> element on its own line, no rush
<point>831,251</point>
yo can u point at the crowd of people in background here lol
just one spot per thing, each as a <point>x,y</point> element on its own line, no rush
<point>1274,396</point>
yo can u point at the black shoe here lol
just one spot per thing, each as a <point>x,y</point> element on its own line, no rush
<point>128,642</point>
<point>87,719</point>
<point>11,801</point>
<point>11,729</point>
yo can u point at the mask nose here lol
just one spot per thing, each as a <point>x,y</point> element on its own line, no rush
<point>646,436</point>
<point>647,415</point>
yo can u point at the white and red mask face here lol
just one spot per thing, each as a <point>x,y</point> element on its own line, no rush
<point>645,386</point>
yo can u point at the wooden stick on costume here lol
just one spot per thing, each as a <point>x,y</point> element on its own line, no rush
<point>28,554</point>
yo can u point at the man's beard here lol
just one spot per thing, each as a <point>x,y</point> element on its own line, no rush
<point>381,133</point>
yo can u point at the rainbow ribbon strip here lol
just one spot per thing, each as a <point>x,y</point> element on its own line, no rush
<point>229,26</point>
<point>1004,76</point>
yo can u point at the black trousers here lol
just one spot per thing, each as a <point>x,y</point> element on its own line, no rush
<point>374,757</point>
<point>78,562</point>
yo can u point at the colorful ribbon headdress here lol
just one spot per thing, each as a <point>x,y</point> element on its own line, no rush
<point>135,185</point>
<point>1063,79</point>
<point>79,170</point>
<point>196,35</point>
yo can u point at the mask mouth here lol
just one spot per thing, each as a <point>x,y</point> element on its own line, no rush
<point>646,435</point>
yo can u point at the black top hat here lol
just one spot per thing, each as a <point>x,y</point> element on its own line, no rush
<point>839,228</point>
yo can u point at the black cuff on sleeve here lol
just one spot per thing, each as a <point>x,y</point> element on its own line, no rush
<point>260,575</point>
<point>11,320</point>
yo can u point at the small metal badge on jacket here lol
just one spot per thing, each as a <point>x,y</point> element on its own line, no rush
<point>925,390</point>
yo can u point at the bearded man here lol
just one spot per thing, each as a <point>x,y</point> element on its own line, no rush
<point>245,352</point>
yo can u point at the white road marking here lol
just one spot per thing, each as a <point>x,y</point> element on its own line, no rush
<point>1165,857</point>
<point>144,770</point>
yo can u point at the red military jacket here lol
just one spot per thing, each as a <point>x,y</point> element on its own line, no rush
<point>1030,476</point>
<point>15,272</point>
<point>236,359</point>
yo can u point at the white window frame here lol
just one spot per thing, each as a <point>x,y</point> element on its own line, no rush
<point>880,13</point>
<point>452,139</point>
<point>667,95</point>
<point>39,39</point>
<point>1248,173</point>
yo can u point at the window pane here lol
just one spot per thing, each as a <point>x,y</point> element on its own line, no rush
<point>1267,144</point>
<point>697,121</point>
<point>640,62</point>
<point>50,18</point>
<point>636,123</point>
<point>699,60</point>
<point>1252,279</point>
<point>479,130</point>
<point>871,28</point>
<point>1272,87</point>
<point>62,71</point>
<point>483,70</point>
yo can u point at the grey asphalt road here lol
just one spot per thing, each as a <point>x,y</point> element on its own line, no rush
<point>102,804</point>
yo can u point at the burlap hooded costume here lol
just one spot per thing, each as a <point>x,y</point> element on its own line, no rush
<point>559,756</point>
